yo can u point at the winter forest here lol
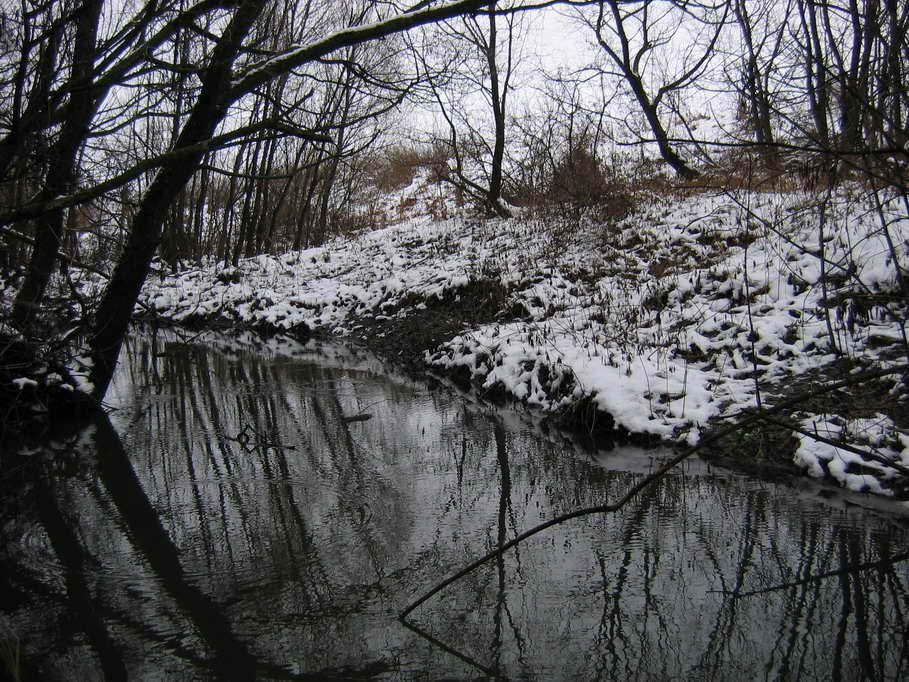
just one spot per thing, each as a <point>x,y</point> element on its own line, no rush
<point>657,223</point>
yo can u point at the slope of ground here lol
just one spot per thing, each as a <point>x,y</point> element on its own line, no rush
<point>687,310</point>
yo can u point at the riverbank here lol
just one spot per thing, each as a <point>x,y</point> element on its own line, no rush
<point>686,311</point>
<point>656,324</point>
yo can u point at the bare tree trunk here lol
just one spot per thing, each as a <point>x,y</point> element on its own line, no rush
<point>499,97</point>
<point>897,60</point>
<point>815,72</point>
<point>303,235</point>
<point>61,174</point>
<point>244,227</point>
<point>854,77</point>
<point>199,226</point>
<point>630,62</point>
<point>341,115</point>
<point>115,310</point>
<point>756,96</point>
<point>465,138</point>
<point>228,214</point>
<point>34,116</point>
<point>660,136</point>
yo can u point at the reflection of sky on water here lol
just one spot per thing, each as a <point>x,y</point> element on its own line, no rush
<point>279,533</point>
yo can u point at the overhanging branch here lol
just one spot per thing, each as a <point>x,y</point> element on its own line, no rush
<point>35,209</point>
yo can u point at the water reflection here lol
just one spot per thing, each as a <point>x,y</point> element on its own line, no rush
<point>239,518</point>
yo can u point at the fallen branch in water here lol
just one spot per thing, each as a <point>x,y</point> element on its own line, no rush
<point>451,650</point>
<point>751,415</point>
<point>356,418</point>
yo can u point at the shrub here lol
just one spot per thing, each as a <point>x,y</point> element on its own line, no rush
<point>574,183</point>
<point>578,178</point>
<point>401,163</point>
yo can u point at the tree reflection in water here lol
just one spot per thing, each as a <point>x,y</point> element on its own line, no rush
<point>231,521</point>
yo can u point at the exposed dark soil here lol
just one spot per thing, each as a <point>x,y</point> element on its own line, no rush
<point>404,334</point>
<point>764,451</point>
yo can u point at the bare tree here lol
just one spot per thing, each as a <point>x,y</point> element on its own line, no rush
<point>760,50</point>
<point>63,154</point>
<point>816,82</point>
<point>485,47</point>
<point>632,33</point>
<point>230,67</point>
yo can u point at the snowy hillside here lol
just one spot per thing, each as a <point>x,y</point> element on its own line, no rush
<point>664,320</point>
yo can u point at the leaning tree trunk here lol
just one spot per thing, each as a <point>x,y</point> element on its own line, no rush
<point>667,151</point>
<point>630,68</point>
<point>115,310</point>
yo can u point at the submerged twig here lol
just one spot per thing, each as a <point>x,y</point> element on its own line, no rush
<point>751,417</point>
<point>454,652</point>
<point>243,438</point>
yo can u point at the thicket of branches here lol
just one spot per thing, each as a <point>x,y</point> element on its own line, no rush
<point>226,128</point>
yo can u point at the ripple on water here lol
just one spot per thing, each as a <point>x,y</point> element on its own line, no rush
<point>300,544</point>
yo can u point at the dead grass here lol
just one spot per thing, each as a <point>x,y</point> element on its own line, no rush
<point>400,165</point>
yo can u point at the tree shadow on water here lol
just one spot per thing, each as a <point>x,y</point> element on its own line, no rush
<point>80,613</point>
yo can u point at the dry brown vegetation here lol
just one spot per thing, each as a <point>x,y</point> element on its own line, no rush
<point>399,165</point>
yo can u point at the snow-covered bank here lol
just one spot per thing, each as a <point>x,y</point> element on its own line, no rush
<point>663,320</point>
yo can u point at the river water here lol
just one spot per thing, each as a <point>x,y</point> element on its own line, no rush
<point>265,510</point>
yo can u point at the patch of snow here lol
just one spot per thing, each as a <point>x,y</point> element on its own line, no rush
<point>848,468</point>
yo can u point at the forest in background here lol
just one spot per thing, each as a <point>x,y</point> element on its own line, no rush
<point>185,131</point>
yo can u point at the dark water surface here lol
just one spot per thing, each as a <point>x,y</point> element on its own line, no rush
<point>238,518</point>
